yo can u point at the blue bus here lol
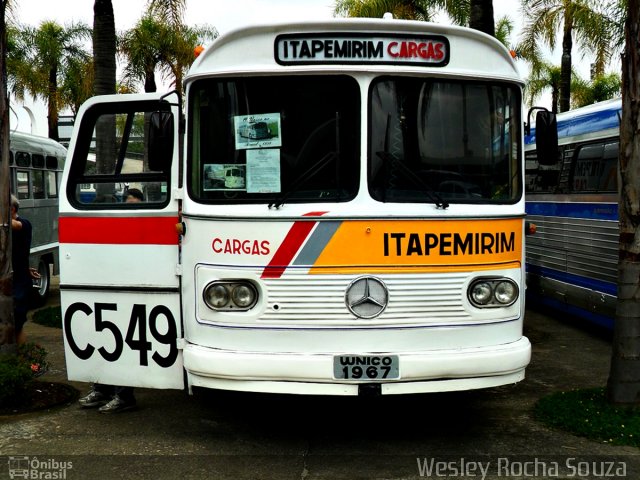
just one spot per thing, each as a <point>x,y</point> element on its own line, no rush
<point>573,200</point>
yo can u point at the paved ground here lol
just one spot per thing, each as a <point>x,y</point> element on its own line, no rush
<point>226,435</point>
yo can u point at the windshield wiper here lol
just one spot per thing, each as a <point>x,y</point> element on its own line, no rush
<point>317,140</point>
<point>395,162</point>
<point>411,175</point>
<point>302,178</point>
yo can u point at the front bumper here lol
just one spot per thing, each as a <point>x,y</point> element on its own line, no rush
<point>297,373</point>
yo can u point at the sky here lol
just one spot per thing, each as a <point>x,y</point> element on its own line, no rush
<point>228,15</point>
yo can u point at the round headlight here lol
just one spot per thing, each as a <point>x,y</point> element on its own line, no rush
<point>506,292</point>
<point>216,296</point>
<point>481,293</point>
<point>243,296</point>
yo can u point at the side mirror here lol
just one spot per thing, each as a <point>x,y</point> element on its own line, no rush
<point>546,138</point>
<point>160,136</point>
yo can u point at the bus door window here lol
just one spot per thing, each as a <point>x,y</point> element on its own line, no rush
<point>116,159</point>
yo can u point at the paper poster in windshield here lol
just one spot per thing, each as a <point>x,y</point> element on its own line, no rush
<point>257,131</point>
<point>263,170</point>
<point>223,176</point>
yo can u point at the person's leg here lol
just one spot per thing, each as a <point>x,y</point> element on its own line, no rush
<point>125,393</point>
<point>20,316</point>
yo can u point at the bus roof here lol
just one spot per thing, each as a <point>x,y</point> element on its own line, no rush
<point>469,53</point>
<point>36,144</point>
<point>594,118</point>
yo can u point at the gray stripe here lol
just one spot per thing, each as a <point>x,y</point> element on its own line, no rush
<point>317,242</point>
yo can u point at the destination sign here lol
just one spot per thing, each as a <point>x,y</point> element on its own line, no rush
<point>426,50</point>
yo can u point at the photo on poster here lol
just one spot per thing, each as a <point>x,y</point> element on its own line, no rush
<point>257,131</point>
<point>223,176</point>
<point>263,170</point>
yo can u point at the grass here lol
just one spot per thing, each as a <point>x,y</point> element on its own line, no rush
<point>48,317</point>
<point>587,413</point>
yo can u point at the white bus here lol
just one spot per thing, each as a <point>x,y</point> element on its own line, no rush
<point>36,165</point>
<point>376,243</point>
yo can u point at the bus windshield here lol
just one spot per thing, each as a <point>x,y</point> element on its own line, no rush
<point>457,140</point>
<point>260,139</point>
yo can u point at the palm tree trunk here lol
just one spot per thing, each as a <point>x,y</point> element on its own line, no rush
<point>481,16</point>
<point>104,47</point>
<point>52,104</point>
<point>624,377</point>
<point>104,59</point>
<point>565,64</point>
<point>7,331</point>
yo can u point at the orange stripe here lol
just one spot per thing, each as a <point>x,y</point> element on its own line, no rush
<point>119,230</point>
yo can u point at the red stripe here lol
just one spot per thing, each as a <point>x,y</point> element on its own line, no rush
<point>289,247</point>
<point>119,230</point>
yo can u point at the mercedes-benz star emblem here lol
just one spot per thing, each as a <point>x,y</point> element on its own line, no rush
<point>367,297</point>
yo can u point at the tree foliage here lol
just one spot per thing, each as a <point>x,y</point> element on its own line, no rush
<point>39,60</point>
<point>579,19</point>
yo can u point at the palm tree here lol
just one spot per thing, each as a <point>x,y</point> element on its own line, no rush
<point>171,11</point>
<point>180,53</point>
<point>152,44</point>
<point>543,78</point>
<point>141,47</point>
<point>477,14</point>
<point>600,88</point>
<point>623,385</point>
<point>575,18</point>
<point>44,54</point>
<point>77,84</point>
<point>181,39</point>
<point>406,10</point>
<point>503,31</point>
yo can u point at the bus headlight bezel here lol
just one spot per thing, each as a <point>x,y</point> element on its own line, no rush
<point>230,295</point>
<point>493,292</point>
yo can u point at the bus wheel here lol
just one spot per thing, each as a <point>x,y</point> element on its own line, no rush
<point>41,286</point>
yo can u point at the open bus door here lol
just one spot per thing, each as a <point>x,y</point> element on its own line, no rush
<point>119,280</point>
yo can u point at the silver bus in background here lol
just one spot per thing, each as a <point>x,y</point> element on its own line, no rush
<point>36,165</point>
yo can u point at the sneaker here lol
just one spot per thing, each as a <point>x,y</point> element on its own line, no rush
<point>93,399</point>
<point>117,404</point>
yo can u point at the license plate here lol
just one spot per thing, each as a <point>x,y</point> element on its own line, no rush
<point>366,367</point>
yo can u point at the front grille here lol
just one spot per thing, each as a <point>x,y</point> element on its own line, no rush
<point>300,297</point>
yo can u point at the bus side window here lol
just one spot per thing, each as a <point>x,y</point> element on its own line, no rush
<point>609,178</point>
<point>38,184</point>
<point>23,159</point>
<point>52,184</point>
<point>588,168</point>
<point>51,164</point>
<point>22,180</point>
<point>540,178</point>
